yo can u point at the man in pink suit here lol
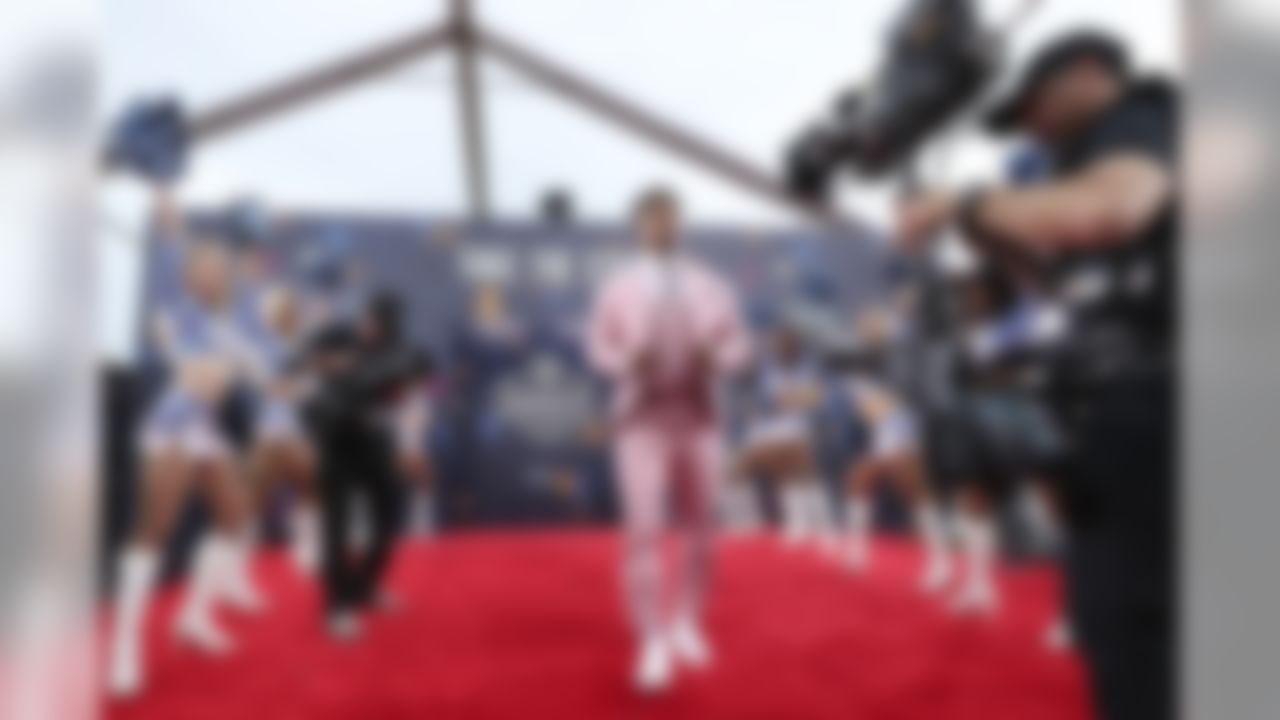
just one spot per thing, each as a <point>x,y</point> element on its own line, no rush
<point>665,329</point>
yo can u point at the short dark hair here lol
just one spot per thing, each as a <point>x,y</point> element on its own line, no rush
<point>654,197</point>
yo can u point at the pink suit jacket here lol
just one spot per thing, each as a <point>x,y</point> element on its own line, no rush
<point>623,323</point>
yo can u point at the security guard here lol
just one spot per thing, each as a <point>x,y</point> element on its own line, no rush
<point>1105,229</point>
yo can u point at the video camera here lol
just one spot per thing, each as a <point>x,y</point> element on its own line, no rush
<point>939,59</point>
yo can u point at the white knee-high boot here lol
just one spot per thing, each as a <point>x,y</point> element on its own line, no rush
<point>978,593</point>
<point>795,513</point>
<point>857,518</point>
<point>136,575</point>
<point>215,558</point>
<point>304,537</point>
<point>937,568</point>
<point>821,517</point>
<point>239,589</point>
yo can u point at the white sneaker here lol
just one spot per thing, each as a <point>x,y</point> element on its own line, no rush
<point>201,633</point>
<point>653,670</point>
<point>795,521</point>
<point>126,673</point>
<point>975,599</point>
<point>305,540</point>
<point>936,574</point>
<point>124,677</point>
<point>345,626</point>
<point>689,646</point>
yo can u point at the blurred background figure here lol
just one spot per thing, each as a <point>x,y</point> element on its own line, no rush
<point>489,342</point>
<point>666,329</point>
<point>243,230</point>
<point>363,372</point>
<point>414,417</point>
<point>281,454</point>
<point>780,438</point>
<point>491,338</point>
<point>1008,434</point>
<point>893,454</point>
<point>203,351</point>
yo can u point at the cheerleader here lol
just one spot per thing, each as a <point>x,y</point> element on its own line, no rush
<point>895,455</point>
<point>281,451</point>
<point>1008,431</point>
<point>779,441</point>
<point>413,421</point>
<point>182,444</point>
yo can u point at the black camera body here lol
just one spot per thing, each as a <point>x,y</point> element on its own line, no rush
<point>939,59</point>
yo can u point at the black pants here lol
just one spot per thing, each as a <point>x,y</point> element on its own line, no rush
<point>1121,493</point>
<point>352,466</point>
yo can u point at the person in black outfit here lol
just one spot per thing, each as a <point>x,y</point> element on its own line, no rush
<point>360,372</point>
<point>1104,229</point>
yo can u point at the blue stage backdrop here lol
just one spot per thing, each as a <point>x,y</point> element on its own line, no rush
<point>518,436</point>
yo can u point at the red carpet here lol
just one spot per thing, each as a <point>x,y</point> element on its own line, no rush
<point>530,626</point>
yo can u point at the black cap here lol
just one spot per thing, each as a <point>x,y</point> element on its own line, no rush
<point>1093,44</point>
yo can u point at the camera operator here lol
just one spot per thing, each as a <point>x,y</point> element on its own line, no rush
<point>1104,227</point>
<point>360,372</point>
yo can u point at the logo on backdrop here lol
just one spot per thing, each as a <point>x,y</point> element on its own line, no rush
<point>546,403</point>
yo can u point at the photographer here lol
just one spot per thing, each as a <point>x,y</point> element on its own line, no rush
<point>1105,229</point>
<point>360,372</point>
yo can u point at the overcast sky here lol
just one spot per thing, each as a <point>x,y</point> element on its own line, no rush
<point>743,73</point>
